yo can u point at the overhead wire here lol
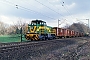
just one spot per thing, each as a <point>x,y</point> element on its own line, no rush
<point>37,8</point>
<point>49,8</point>
<point>24,8</point>
<point>54,5</point>
<point>65,7</point>
<point>36,12</point>
<point>64,20</point>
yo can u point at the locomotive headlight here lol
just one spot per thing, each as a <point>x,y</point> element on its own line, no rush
<point>35,31</point>
<point>28,32</point>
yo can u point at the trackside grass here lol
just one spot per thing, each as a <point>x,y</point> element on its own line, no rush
<point>11,38</point>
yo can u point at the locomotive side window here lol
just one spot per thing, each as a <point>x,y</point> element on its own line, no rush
<point>33,23</point>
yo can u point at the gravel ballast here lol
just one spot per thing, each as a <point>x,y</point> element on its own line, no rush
<point>63,49</point>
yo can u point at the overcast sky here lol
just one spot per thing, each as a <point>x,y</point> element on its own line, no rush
<point>67,11</point>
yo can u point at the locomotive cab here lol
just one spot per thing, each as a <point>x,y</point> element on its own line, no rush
<point>35,24</point>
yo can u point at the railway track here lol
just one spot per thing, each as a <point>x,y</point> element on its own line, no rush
<point>18,43</point>
<point>14,46</point>
<point>12,50</point>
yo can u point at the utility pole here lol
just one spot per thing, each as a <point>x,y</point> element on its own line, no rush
<point>88,22</point>
<point>58,23</point>
<point>88,26</point>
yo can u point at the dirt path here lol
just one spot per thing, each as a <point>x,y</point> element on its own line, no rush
<point>78,51</point>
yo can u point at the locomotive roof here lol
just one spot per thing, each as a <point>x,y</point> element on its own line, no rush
<point>38,21</point>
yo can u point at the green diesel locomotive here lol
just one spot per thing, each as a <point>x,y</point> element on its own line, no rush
<point>38,30</point>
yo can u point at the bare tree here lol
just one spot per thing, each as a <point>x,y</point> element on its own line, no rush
<point>2,28</point>
<point>12,29</point>
<point>20,24</point>
<point>79,27</point>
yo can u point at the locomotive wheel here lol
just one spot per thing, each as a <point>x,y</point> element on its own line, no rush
<point>43,38</point>
<point>27,38</point>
